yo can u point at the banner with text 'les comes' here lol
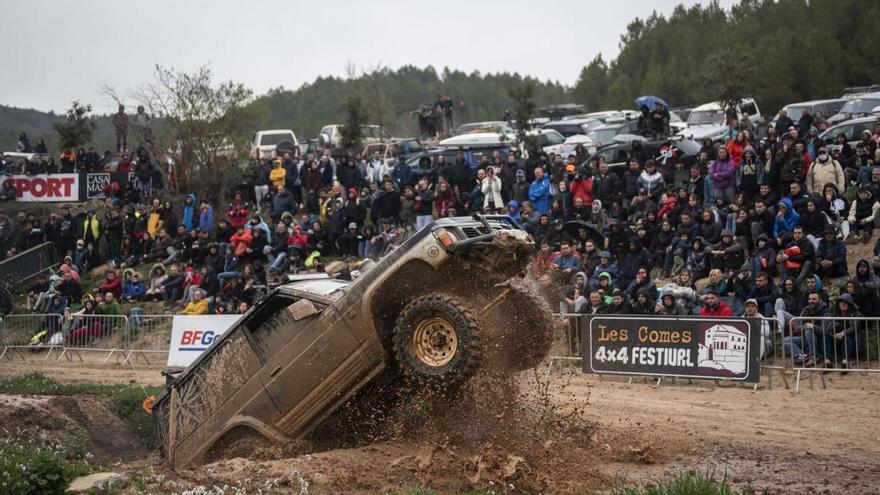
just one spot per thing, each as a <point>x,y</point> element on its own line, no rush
<point>688,347</point>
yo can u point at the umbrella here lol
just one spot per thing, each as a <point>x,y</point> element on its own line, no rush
<point>650,102</point>
<point>629,138</point>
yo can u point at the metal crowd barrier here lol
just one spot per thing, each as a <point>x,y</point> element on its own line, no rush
<point>567,340</point>
<point>28,264</point>
<point>148,334</point>
<point>94,333</point>
<point>831,345</point>
<point>125,337</point>
<point>19,331</point>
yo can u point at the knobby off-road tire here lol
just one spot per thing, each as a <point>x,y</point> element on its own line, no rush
<point>529,326</point>
<point>437,341</point>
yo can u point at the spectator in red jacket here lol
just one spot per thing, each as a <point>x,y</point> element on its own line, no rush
<point>713,305</point>
<point>112,283</point>
<point>241,240</point>
<point>582,187</point>
<point>238,212</point>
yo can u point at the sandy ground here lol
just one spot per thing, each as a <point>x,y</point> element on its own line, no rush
<point>584,434</point>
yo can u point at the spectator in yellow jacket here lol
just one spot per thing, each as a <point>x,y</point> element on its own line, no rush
<point>198,305</point>
<point>277,175</point>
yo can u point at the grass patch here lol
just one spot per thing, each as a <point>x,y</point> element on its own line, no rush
<point>690,483</point>
<point>29,468</point>
<point>124,400</point>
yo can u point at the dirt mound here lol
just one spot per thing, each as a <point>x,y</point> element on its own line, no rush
<point>57,419</point>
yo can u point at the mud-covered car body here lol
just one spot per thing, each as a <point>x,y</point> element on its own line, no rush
<point>309,346</point>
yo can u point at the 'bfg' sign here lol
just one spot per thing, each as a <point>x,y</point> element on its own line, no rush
<point>718,349</point>
<point>193,335</point>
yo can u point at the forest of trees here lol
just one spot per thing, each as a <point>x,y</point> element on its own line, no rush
<point>477,97</point>
<point>787,50</point>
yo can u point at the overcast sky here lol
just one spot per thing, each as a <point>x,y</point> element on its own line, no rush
<point>57,51</point>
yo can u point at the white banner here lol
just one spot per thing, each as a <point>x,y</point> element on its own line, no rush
<point>192,335</point>
<point>41,188</point>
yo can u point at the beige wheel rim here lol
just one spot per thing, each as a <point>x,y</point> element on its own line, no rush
<point>434,342</point>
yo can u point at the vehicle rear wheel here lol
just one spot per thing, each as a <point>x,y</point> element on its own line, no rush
<point>437,341</point>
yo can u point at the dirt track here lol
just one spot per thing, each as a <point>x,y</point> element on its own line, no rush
<point>817,441</point>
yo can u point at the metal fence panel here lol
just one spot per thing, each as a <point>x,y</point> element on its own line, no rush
<point>36,332</point>
<point>831,344</point>
<point>147,335</point>
<point>28,264</point>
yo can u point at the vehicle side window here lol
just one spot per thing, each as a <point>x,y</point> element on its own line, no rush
<point>846,130</point>
<point>750,108</point>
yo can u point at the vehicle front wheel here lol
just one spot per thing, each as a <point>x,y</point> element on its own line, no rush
<point>437,341</point>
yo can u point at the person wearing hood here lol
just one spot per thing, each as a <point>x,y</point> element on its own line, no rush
<point>519,190</point>
<point>862,214</point>
<point>722,173</point>
<point>607,266</point>
<point>513,210</point>
<point>642,283</point>
<point>836,207</point>
<point>598,216</point>
<point>750,310</point>
<point>157,278</point>
<point>749,173</point>
<point>814,221</point>
<point>825,170</point>
<point>668,306</point>
<point>188,220</point>
<point>643,303</point>
<point>840,341</point>
<point>206,217</point>
<point>866,276</point>
<point>831,255</point>
<point>636,258</point>
<point>786,219</point>
<point>257,222</point>
<point>133,289</point>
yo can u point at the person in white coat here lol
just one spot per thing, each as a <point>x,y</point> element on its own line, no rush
<point>492,201</point>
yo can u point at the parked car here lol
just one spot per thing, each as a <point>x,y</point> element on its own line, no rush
<point>560,111</point>
<point>617,155</point>
<point>859,106</point>
<point>573,127</point>
<point>852,129</point>
<point>709,120</point>
<point>264,144</point>
<point>331,136</point>
<point>827,107</point>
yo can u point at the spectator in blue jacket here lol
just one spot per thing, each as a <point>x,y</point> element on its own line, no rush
<point>539,192</point>
<point>786,218</point>
<point>567,264</point>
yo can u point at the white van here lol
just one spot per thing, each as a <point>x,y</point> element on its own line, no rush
<point>265,143</point>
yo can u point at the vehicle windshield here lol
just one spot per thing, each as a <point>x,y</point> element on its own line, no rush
<point>860,105</point>
<point>706,117</point>
<point>604,135</point>
<point>274,139</point>
<point>549,139</point>
<point>794,111</point>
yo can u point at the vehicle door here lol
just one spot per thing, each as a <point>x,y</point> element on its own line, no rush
<point>300,342</point>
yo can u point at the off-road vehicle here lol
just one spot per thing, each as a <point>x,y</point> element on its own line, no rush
<point>429,313</point>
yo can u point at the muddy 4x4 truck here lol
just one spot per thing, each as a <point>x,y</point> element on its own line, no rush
<point>430,313</point>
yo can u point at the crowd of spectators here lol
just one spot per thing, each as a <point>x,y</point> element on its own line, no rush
<point>756,224</point>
